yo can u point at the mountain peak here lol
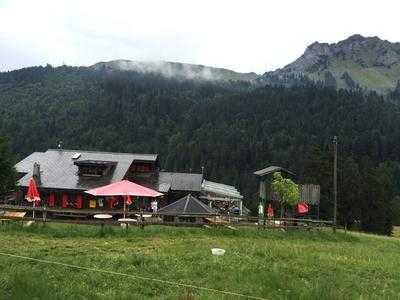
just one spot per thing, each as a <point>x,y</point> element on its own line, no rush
<point>356,62</point>
<point>356,38</point>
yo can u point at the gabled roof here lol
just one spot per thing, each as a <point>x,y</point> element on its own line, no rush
<point>187,205</point>
<point>272,169</point>
<point>190,182</point>
<point>59,171</point>
<point>220,189</point>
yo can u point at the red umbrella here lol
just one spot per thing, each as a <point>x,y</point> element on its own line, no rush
<point>124,188</point>
<point>32,195</point>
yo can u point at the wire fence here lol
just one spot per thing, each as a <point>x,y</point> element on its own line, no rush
<point>189,220</point>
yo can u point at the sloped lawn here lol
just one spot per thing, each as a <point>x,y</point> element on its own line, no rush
<point>266,264</point>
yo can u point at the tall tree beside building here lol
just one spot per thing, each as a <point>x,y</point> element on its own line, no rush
<point>286,190</point>
<point>8,174</point>
<point>377,199</point>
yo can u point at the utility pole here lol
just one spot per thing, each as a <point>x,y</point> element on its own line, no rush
<point>334,183</point>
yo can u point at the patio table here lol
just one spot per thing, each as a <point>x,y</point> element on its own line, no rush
<point>102,217</point>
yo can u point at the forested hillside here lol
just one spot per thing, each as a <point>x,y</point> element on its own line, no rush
<point>228,127</point>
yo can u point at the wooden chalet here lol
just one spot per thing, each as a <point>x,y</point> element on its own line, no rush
<point>63,176</point>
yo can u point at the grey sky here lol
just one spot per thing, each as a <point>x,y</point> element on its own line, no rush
<point>240,35</point>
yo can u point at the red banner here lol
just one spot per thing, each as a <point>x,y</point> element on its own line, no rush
<point>302,208</point>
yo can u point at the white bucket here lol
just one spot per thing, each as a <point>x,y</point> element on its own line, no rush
<point>28,223</point>
<point>217,251</point>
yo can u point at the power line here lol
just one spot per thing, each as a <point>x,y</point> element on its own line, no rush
<point>133,276</point>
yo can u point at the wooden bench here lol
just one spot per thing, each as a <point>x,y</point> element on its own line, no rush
<point>12,215</point>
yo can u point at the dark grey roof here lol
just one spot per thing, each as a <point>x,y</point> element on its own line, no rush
<point>272,169</point>
<point>187,205</point>
<point>180,181</point>
<point>59,171</point>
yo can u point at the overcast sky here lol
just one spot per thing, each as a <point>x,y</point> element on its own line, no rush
<point>241,35</point>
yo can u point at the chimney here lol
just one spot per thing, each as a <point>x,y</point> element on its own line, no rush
<point>36,173</point>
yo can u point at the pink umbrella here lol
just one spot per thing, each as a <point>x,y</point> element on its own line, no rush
<point>32,195</point>
<point>124,188</point>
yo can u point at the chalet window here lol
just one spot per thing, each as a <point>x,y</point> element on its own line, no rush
<point>91,171</point>
<point>142,168</point>
<point>94,168</point>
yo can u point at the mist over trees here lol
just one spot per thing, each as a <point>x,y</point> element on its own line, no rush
<point>230,128</point>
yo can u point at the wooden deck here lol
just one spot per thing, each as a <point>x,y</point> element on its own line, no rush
<point>87,212</point>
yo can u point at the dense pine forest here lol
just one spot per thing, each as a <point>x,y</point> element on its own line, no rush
<point>230,128</point>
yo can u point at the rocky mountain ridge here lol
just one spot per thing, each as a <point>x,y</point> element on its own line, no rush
<point>368,63</point>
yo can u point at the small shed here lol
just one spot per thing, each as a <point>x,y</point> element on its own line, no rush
<point>186,209</point>
<point>265,179</point>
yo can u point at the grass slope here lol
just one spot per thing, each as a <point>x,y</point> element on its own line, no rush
<point>380,79</point>
<point>268,264</point>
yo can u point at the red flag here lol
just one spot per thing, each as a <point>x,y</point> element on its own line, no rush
<point>270,211</point>
<point>110,202</point>
<point>32,195</point>
<point>64,203</point>
<point>51,200</point>
<point>113,202</point>
<point>78,201</point>
<point>128,200</point>
<point>302,208</point>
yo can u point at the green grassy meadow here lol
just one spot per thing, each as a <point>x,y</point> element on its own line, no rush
<point>262,263</point>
